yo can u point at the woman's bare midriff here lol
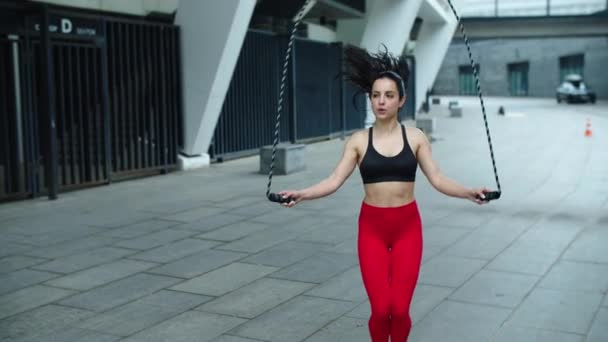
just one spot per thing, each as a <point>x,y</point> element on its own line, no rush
<point>389,194</point>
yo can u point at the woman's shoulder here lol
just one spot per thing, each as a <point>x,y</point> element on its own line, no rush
<point>359,137</point>
<point>414,132</point>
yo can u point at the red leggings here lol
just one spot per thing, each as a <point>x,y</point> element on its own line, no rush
<point>390,251</point>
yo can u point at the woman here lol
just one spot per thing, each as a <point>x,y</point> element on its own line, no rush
<point>390,229</point>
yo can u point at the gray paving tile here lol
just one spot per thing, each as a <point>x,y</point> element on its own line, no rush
<point>154,239</point>
<point>577,276</point>
<point>317,268</point>
<point>174,250</point>
<point>551,234</point>
<point>525,258</point>
<point>344,329</point>
<point>189,326</point>
<point>508,333</point>
<point>557,310</point>
<point>362,311</point>
<point>230,338</point>
<point>40,322</point>
<point>254,299</point>
<point>72,247</point>
<point>264,239</point>
<point>599,329</point>
<point>293,320</point>
<point>119,292</point>
<point>330,234</point>
<point>171,205</point>
<point>29,298</point>
<point>114,217</point>
<point>17,262</point>
<point>285,254</point>
<point>61,235</point>
<point>195,214</point>
<point>99,275</point>
<point>236,201</point>
<point>142,313</point>
<point>254,210</point>
<point>440,236</point>
<point>468,219</point>
<point>496,288</point>
<point>198,263</point>
<point>347,286</point>
<point>485,243</point>
<point>234,231</point>
<point>590,246</point>
<point>348,246</point>
<point>82,260</point>
<point>11,248</point>
<point>448,271</point>
<point>455,322</point>
<point>76,335</point>
<point>139,229</point>
<point>428,252</point>
<point>224,279</point>
<point>13,281</point>
<point>426,298</point>
<point>433,216</point>
<point>212,222</point>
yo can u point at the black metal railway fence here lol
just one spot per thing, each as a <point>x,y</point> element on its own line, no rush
<point>317,104</point>
<point>144,88</point>
<point>248,115</point>
<point>88,98</point>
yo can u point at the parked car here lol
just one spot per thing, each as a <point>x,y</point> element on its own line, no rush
<point>574,89</point>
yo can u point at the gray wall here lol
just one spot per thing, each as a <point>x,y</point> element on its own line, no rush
<point>543,54</point>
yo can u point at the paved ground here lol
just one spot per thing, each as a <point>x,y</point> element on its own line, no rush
<point>201,256</point>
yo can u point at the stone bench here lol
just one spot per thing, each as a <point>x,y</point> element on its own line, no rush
<point>426,125</point>
<point>456,111</point>
<point>289,158</point>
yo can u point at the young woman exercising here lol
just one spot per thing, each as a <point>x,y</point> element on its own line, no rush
<point>390,229</point>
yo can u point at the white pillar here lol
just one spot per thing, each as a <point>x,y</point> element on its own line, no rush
<point>389,22</point>
<point>212,34</point>
<point>434,37</point>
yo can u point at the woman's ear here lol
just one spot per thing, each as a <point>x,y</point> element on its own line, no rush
<point>402,101</point>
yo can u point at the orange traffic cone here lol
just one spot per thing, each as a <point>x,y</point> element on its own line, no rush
<point>588,132</point>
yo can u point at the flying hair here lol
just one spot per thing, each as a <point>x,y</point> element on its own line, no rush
<point>363,68</point>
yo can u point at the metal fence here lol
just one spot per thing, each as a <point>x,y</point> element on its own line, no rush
<point>317,103</point>
<point>144,87</point>
<point>85,101</point>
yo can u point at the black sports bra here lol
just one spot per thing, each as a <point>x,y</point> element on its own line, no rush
<point>377,168</point>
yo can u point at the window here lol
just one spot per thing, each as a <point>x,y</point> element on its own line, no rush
<point>573,64</point>
<point>466,80</point>
<point>518,78</point>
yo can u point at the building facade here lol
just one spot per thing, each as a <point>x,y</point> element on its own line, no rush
<point>527,56</point>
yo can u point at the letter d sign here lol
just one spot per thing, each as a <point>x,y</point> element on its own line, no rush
<point>66,26</point>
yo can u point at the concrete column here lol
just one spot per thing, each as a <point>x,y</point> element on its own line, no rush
<point>389,22</point>
<point>434,37</point>
<point>212,34</point>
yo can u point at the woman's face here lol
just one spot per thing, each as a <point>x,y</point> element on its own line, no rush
<point>385,98</point>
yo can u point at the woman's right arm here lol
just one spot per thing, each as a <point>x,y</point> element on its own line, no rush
<point>331,184</point>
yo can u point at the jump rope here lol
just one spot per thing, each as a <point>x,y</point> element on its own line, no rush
<point>274,197</point>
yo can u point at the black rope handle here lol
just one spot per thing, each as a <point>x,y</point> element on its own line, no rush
<point>492,194</point>
<point>273,197</point>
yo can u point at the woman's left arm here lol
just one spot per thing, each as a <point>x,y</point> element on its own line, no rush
<point>440,182</point>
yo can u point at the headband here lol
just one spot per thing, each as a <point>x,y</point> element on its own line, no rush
<point>397,76</point>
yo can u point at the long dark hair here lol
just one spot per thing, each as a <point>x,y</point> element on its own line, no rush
<point>363,68</point>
